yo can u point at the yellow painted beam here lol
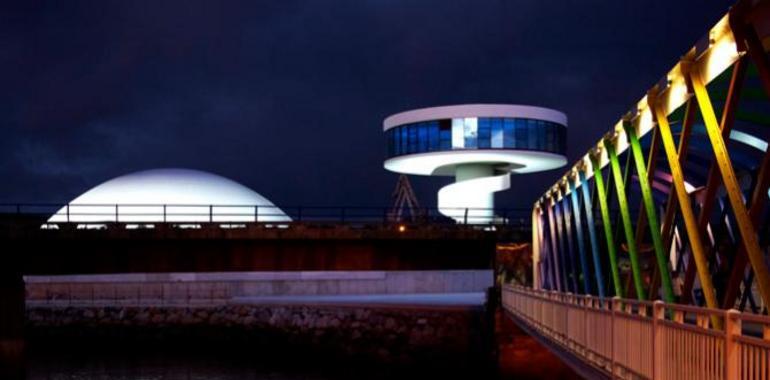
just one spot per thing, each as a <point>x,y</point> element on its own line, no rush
<point>685,206</point>
<point>734,194</point>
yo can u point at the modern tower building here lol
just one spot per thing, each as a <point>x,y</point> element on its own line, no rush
<point>480,145</point>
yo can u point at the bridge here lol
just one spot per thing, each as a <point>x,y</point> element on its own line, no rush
<point>108,239</point>
<point>678,287</point>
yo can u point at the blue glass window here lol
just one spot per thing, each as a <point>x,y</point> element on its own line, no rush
<point>422,138</point>
<point>412,139</point>
<point>470,132</point>
<point>433,136</point>
<point>484,133</point>
<point>475,133</point>
<point>509,129</point>
<point>445,134</point>
<point>497,133</point>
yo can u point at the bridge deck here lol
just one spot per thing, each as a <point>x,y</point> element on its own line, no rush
<point>627,339</point>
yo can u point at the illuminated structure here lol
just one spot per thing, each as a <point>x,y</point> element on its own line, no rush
<point>170,195</point>
<point>698,166</point>
<point>650,254</point>
<point>480,145</point>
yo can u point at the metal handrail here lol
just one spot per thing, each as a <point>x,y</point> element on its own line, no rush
<point>251,213</point>
<point>625,338</point>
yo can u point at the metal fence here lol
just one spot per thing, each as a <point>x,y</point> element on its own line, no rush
<point>629,339</point>
<point>196,213</point>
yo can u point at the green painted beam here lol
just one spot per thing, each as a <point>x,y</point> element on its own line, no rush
<point>625,217</point>
<point>652,216</point>
<point>601,195</point>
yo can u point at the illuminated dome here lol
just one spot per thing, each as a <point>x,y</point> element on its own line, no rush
<point>170,195</point>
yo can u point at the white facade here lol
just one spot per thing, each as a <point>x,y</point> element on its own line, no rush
<point>169,195</point>
<point>480,145</point>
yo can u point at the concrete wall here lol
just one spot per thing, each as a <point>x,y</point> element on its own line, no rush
<point>207,288</point>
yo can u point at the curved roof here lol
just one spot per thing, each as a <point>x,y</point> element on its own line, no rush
<point>444,163</point>
<point>172,195</point>
<point>475,110</point>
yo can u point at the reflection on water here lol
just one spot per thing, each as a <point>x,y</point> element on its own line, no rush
<point>77,362</point>
<point>105,361</point>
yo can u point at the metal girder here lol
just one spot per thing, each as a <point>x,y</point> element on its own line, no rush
<point>672,204</point>
<point>537,279</point>
<point>745,226</point>
<point>625,216</point>
<point>549,279</point>
<point>580,240</point>
<point>563,259</point>
<point>567,214</point>
<point>696,244</point>
<point>556,267</point>
<point>713,178</point>
<point>592,233</point>
<point>755,50</point>
<point>649,208</point>
<point>601,194</point>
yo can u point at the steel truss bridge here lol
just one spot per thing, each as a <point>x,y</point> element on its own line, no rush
<point>676,287</point>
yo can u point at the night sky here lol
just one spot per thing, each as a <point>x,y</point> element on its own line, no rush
<point>288,97</point>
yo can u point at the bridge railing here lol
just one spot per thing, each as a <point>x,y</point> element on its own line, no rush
<point>629,339</point>
<point>204,213</point>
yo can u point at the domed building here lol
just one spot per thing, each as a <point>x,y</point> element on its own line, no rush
<point>170,195</point>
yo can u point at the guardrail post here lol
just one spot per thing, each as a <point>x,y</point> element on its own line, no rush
<point>256,213</point>
<point>465,218</point>
<point>613,302</point>
<point>733,327</point>
<point>211,213</point>
<point>164,213</point>
<point>68,212</point>
<point>658,313</point>
<point>116,213</point>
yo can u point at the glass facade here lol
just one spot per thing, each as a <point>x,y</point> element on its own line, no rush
<point>476,133</point>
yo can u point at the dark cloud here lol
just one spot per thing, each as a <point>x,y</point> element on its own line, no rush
<point>288,97</point>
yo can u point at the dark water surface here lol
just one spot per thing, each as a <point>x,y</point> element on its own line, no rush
<point>80,360</point>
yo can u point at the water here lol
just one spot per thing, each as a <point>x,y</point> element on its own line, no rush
<point>63,360</point>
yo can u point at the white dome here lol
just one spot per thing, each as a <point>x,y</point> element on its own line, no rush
<point>186,195</point>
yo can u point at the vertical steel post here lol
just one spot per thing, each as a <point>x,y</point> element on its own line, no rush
<point>696,244</point>
<point>625,216</point>
<point>601,194</point>
<point>734,194</point>
<point>580,241</point>
<point>652,215</point>
<point>536,249</point>
<point>592,233</point>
